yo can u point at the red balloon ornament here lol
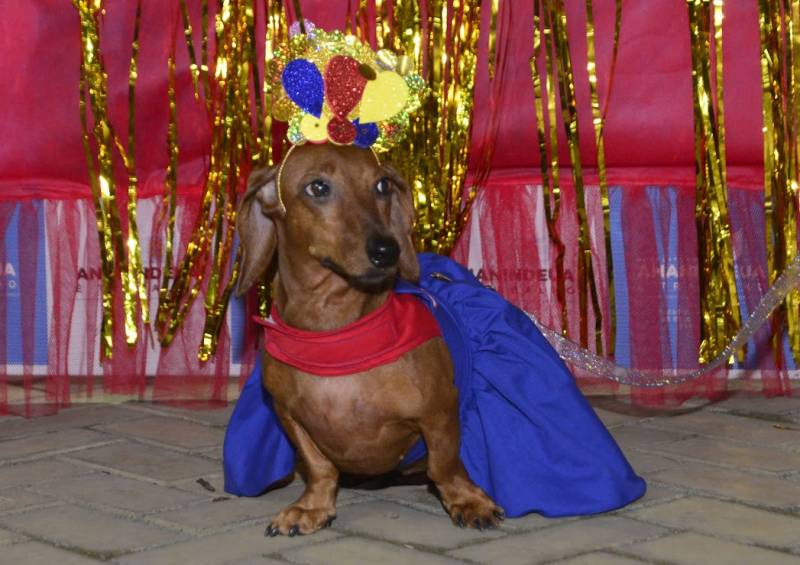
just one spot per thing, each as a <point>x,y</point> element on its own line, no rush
<point>341,131</point>
<point>344,86</point>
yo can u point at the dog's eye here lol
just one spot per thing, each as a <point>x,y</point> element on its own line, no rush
<point>383,187</point>
<point>317,189</point>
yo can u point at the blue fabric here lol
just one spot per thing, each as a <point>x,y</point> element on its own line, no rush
<point>528,436</point>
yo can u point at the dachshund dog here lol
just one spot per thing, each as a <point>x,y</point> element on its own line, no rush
<point>339,225</point>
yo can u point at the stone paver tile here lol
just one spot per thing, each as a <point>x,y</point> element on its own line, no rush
<point>204,485</point>
<point>654,494</point>
<point>228,546</point>
<point>414,494</point>
<point>691,548</point>
<point>735,455</point>
<point>400,524</point>
<point>91,531</point>
<point>357,550</point>
<point>50,442</point>
<point>212,452</point>
<point>560,541</point>
<point>599,558</point>
<point>214,417</point>
<point>759,404</point>
<point>171,431</point>
<point>78,417</point>
<point>611,418</point>
<point>420,498</point>
<point>22,474</point>
<point>729,426</point>
<point>644,463</point>
<point>530,522</point>
<point>35,553</point>
<point>17,498</point>
<point>148,461</point>
<point>209,514</point>
<point>255,560</point>
<point>725,519</point>
<point>729,483</point>
<point>7,537</point>
<point>118,492</point>
<point>636,436</point>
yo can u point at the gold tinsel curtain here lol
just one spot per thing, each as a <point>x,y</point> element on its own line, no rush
<point>236,38</point>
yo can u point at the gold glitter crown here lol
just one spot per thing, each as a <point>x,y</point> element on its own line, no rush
<point>330,87</point>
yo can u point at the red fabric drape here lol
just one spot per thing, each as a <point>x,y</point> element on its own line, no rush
<point>649,150</point>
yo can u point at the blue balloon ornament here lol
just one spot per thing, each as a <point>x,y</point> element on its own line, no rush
<point>366,134</point>
<point>304,86</point>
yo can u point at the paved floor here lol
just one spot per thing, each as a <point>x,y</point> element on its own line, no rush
<point>141,483</point>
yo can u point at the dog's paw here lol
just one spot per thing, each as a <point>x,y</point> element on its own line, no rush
<point>294,520</point>
<point>476,511</point>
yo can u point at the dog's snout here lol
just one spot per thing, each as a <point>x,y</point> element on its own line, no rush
<point>383,252</point>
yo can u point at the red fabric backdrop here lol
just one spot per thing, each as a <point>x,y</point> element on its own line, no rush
<point>649,151</point>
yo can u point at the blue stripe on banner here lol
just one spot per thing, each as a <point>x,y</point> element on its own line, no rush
<point>654,197</point>
<point>13,303</point>
<point>13,292</point>
<point>237,310</point>
<point>667,259</point>
<point>750,354</point>
<point>622,345</point>
<point>787,352</point>
<point>673,286</point>
<point>41,341</point>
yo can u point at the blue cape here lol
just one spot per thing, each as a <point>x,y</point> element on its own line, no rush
<point>529,438</point>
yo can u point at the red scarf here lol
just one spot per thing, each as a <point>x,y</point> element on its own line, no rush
<point>399,325</point>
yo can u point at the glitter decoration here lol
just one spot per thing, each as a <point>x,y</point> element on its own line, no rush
<point>344,85</point>
<point>384,97</point>
<point>780,80</point>
<point>303,83</point>
<point>341,131</point>
<point>366,134</point>
<point>294,29</point>
<point>386,59</point>
<point>283,109</point>
<point>350,68</point>
<point>578,356</point>
<point>295,134</point>
<point>314,129</point>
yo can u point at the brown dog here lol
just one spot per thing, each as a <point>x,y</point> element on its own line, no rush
<point>341,224</point>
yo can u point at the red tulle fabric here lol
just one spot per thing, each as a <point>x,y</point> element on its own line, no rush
<point>50,292</point>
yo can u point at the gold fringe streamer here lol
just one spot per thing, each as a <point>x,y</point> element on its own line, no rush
<point>551,45</point>
<point>170,194</point>
<point>240,135</point>
<point>598,120</point>
<point>587,286</point>
<point>118,255</point>
<point>719,302</point>
<point>135,285</point>
<point>542,47</point>
<point>276,35</point>
<point>778,23</point>
<point>492,55</point>
<point>434,154</point>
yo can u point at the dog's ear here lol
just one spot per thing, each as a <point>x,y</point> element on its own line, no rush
<point>255,226</point>
<point>402,220</point>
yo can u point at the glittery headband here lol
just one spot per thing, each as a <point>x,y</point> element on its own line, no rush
<point>330,87</point>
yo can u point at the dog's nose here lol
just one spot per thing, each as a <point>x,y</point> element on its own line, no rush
<point>383,252</point>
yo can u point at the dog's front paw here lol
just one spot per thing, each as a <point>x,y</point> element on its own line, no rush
<point>295,520</point>
<point>476,510</point>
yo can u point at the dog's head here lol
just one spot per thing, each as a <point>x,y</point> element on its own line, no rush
<point>337,209</point>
